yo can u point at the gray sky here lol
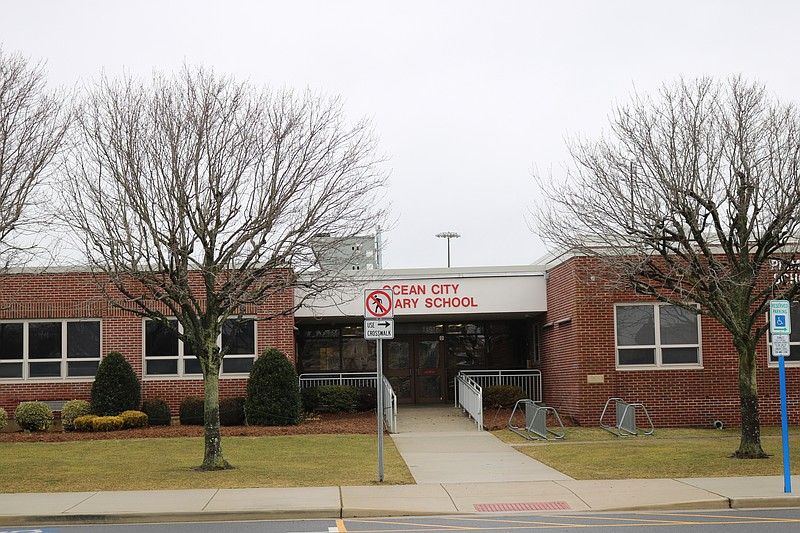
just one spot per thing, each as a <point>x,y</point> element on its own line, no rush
<point>467,97</point>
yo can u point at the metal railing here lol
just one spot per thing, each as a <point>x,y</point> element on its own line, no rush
<point>469,385</point>
<point>358,379</point>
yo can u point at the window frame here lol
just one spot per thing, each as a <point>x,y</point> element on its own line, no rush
<point>63,359</point>
<point>657,345</point>
<point>181,357</point>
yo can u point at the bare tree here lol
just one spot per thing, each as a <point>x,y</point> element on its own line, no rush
<point>688,200</point>
<point>32,126</point>
<point>197,195</point>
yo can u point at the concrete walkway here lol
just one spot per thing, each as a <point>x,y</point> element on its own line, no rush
<point>441,445</point>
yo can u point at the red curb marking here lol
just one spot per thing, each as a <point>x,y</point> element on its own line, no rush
<point>530,506</point>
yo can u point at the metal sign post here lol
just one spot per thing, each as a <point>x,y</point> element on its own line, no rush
<point>379,325</point>
<point>780,326</point>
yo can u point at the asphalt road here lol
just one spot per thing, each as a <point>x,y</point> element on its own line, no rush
<point>734,521</point>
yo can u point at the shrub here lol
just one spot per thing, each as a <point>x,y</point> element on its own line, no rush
<point>191,411</point>
<point>231,411</point>
<point>3,418</point>
<point>72,410</point>
<point>502,395</point>
<point>33,416</point>
<point>309,399</point>
<point>336,399</point>
<point>84,423</point>
<point>158,412</point>
<point>273,393</point>
<point>116,387</point>
<point>107,423</point>
<point>133,419</point>
<point>367,399</point>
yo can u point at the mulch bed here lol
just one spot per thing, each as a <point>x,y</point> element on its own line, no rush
<point>323,423</point>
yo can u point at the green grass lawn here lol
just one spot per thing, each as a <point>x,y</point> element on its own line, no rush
<point>145,464</point>
<point>592,453</point>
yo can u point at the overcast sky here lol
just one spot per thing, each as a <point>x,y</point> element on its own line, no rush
<point>467,97</point>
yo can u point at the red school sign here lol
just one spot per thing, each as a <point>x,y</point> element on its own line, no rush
<point>430,296</point>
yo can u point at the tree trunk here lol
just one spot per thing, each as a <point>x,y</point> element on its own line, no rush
<point>750,444</point>
<point>212,457</point>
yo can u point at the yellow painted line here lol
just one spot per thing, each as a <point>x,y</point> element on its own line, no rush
<point>340,525</point>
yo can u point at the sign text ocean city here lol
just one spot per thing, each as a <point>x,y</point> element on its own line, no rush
<point>430,296</point>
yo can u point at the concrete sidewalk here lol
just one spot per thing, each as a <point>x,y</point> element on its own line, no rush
<point>394,500</point>
<point>458,470</point>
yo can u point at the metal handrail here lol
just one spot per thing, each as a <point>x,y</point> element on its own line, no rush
<point>357,379</point>
<point>469,385</point>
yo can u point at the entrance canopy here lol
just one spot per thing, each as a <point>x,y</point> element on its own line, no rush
<point>513,291</point>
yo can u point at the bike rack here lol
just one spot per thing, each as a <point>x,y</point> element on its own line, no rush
<point>625,423</point>
<point>535,421</point>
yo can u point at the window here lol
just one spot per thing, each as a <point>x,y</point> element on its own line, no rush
<point>656,335</point>
<point>59,349</point>
<point>166,355</point>
<point>793,359</point>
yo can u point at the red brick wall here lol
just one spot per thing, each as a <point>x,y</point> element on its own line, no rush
<point>585,346</point>
<point>76,295</point>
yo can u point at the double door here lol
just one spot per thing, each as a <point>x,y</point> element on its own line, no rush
<point>414,365</point>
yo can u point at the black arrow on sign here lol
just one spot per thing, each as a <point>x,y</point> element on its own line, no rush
<point>385,324</point>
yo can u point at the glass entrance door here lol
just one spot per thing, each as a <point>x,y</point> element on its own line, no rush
<point>414,365</point>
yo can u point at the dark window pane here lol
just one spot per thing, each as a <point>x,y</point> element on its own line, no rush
<point>678,325</point>
<point>191,366</point>
<point>162,367</point>
<point>237,365</point>
<point>82,368</point>
<point>159,339</point>
<point>678,356</point>
<point>11,370</point>
<point>44,340</point>
<point>45,370</point>
<point>358,355</point>
<point>320,354</point>
<point>635,325</point>
<point>83,339</point>
<point>239,337</point>
<point>401,386</point>
<point>466,351</point>
<point>637,356</point>
<point>398,356</point>
<point>187,349</point>
<point>11,341</point>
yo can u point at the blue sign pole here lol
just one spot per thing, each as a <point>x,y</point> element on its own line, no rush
<point>787,474</point>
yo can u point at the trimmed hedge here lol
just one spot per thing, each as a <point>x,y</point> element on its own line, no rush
<point>231,411</point>
<point>33,416</point>
<point>84,423</point>
<point>337,399</point>
<point>3,418</point>
<point>133,419</point>
<point>157,411</point>
<point>107,423</point>
<point>72,410</point>
<point>191,411</point>
<point>116,386</point>
<point>502,395</point>
<point>273,392</point>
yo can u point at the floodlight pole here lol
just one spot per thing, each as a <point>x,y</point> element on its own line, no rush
<point>448,235</point>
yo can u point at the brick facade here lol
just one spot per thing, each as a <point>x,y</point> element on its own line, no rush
<point>70,295</point>
<point>579,346</point>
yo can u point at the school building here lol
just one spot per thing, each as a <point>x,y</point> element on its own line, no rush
<point>589,342</point>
